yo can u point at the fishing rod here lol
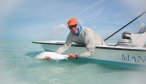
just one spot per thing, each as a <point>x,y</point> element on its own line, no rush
<point>125,25</point>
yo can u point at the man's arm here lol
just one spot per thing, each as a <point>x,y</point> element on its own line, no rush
<point>67,44</point>
<point>90,51</point>
<point>90,44</point>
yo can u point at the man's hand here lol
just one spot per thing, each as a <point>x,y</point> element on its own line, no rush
<point>73,56</point>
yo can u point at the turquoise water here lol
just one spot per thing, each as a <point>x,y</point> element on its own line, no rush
<point>19,66</point>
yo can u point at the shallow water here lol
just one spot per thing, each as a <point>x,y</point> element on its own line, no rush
<point>19,66</point>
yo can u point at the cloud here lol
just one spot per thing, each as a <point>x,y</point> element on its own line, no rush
<point>91,7</point>
<point>137,4</point>
<point>59,27</point>
<point>37,31</point>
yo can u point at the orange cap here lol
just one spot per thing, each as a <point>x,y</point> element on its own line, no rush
<point>72,21</point>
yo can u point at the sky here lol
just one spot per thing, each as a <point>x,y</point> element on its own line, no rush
<point>47,19</point>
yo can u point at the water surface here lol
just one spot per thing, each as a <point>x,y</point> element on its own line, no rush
<point>19,66</point>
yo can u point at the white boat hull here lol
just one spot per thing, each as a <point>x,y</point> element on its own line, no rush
<point>116,54</point>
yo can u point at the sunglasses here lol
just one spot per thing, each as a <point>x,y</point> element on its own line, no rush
<point>72,26</point>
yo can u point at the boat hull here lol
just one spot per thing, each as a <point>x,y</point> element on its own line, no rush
<point>117,55</point>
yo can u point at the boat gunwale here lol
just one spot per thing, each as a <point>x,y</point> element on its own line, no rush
<point>112,47</point>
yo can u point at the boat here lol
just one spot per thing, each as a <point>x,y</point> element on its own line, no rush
<point>130,50</point>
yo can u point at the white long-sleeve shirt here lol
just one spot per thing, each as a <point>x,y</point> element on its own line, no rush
<point>86,37</point>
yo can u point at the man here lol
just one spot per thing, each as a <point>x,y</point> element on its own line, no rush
<point>82,36</point>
